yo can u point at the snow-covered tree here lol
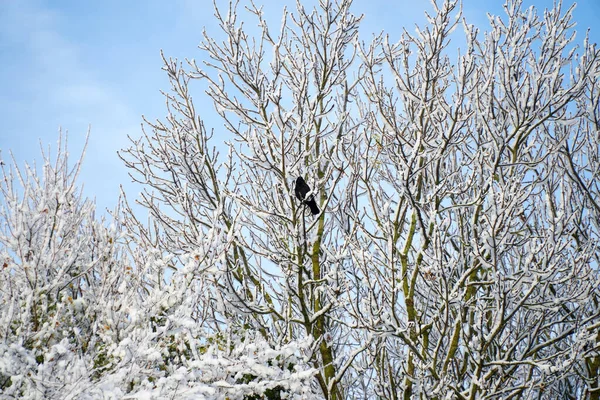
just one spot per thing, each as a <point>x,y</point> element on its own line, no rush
<point>62,281</point>
<point>456,251</point>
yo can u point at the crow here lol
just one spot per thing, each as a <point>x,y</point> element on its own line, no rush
<point>302,189</point>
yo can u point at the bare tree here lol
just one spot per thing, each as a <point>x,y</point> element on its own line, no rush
<point>455,254</point>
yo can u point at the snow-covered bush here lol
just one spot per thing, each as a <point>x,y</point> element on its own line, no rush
<point>63,283</point>
<point>228,368</point>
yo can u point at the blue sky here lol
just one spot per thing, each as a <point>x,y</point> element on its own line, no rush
<point>74,64</point>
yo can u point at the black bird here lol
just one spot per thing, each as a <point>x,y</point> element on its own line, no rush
<point>302,189</point>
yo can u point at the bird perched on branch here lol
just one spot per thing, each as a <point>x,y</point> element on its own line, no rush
<point>302,189</point>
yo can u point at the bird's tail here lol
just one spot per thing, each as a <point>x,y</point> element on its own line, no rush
<point>314,209</point>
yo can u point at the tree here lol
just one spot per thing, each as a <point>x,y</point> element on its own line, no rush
<point>63,290</point>
<point>456,254</point>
